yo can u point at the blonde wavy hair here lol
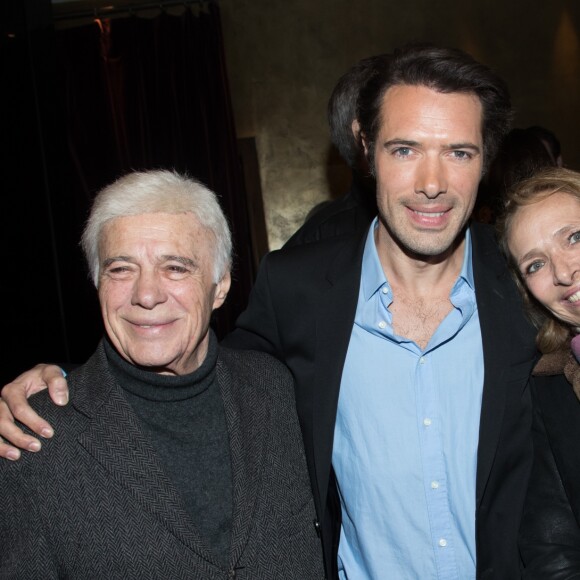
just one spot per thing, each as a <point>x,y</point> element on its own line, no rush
<point>552,334</point>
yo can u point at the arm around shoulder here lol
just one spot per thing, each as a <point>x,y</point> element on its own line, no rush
<point>14,405</point>
<point>256,328</point>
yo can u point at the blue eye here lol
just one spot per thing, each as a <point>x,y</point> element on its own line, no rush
<point>574,238</point>
<point>402,151</point>
<point>534,267</point>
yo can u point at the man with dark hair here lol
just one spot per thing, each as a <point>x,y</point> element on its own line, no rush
<point>354,211</point>
<point>408,345</point>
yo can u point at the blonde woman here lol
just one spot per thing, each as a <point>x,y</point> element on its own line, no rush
<point>540,232</point>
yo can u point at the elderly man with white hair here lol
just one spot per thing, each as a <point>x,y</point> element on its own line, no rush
<point>175,458</point>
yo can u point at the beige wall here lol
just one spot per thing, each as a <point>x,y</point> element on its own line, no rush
<point>285,57</point>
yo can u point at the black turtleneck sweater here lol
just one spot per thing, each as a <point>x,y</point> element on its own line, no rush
<point>184,418</point>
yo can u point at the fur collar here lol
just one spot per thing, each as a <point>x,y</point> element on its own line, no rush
<point>560,362</point>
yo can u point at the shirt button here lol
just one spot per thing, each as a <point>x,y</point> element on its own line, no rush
<point>422,360</point>
<point>434,484</point>
<point>384,290</point>
<point>442,542</point>
<point>427,422</point>
<point>382,324</point>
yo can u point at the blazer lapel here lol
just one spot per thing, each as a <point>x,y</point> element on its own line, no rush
<point>498,306</point>
<point>247,423</point>
<point>335,318</point>
<point>114,439</point>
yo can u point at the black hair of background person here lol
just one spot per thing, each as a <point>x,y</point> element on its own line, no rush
<point>520,155</point>
<point>83,106</point>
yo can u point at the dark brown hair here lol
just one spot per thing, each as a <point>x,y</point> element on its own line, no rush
<point>447,70</point>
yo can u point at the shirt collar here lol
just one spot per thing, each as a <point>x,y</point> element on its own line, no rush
<point>373,276</point>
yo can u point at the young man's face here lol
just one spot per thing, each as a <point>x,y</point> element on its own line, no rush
<point>428,164</point>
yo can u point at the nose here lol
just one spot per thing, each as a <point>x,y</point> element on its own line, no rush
<point>564,269</point>
<point>431,177</point>
<point>148,291</point>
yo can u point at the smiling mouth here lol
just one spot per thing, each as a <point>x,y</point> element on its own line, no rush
<point>430,214</point>
<point>575,297</point>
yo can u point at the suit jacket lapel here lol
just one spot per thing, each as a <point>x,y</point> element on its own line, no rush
<point>114,439</point>
<point>335,317</point>
<point>498,305</point>
<point>248,425</point>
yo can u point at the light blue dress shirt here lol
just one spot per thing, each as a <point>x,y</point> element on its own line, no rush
<point>406,435</point>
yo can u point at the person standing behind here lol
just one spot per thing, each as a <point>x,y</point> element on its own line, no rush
<point>521,154</point>
<point>354,211</point>
<point>551,143</point>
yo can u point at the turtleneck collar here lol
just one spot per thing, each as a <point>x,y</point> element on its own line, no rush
<point>157,387</point>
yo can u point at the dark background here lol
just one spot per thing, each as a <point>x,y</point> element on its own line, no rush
<point>84,106</point>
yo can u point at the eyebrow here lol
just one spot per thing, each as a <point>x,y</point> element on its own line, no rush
<point>112,259</point>
<point>563,231</point>
<point>528,256</point>
<point>410,143</point>
<point>181,259</point>
<point>165,258</point>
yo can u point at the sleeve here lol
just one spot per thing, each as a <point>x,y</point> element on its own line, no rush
<point>550,533</point>
<point>257,328</point>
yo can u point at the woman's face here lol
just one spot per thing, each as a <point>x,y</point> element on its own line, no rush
<point>544,240</point>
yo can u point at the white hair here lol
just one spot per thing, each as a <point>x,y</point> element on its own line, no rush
<point>157,191</point>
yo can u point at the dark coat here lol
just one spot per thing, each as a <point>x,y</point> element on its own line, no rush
<point>350,214</point>
<point>96,502</point>
<point>550,533</point>
<point>302,310</point>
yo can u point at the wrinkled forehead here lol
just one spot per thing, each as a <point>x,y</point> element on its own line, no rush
<point>181,230</point>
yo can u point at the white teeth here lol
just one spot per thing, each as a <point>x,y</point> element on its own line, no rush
<point>144,326</point>
<point>575,297</point>
<point>432,214</point>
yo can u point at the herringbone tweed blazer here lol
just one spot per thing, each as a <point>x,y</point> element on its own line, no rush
<point>95,503</point>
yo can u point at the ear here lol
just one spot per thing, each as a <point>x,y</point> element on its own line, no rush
<point>363,139</point>
<point>355,128</point>
<point>222,289</point>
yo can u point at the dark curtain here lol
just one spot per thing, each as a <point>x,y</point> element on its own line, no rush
<point>115,95</point>
<point>144,94</point>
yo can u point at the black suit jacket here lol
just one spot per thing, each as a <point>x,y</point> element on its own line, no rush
<point>302,310</point>
<point>350,214</point>
<point>96,503</point>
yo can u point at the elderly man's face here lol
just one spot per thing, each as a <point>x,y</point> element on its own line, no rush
<point>156,290</point>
